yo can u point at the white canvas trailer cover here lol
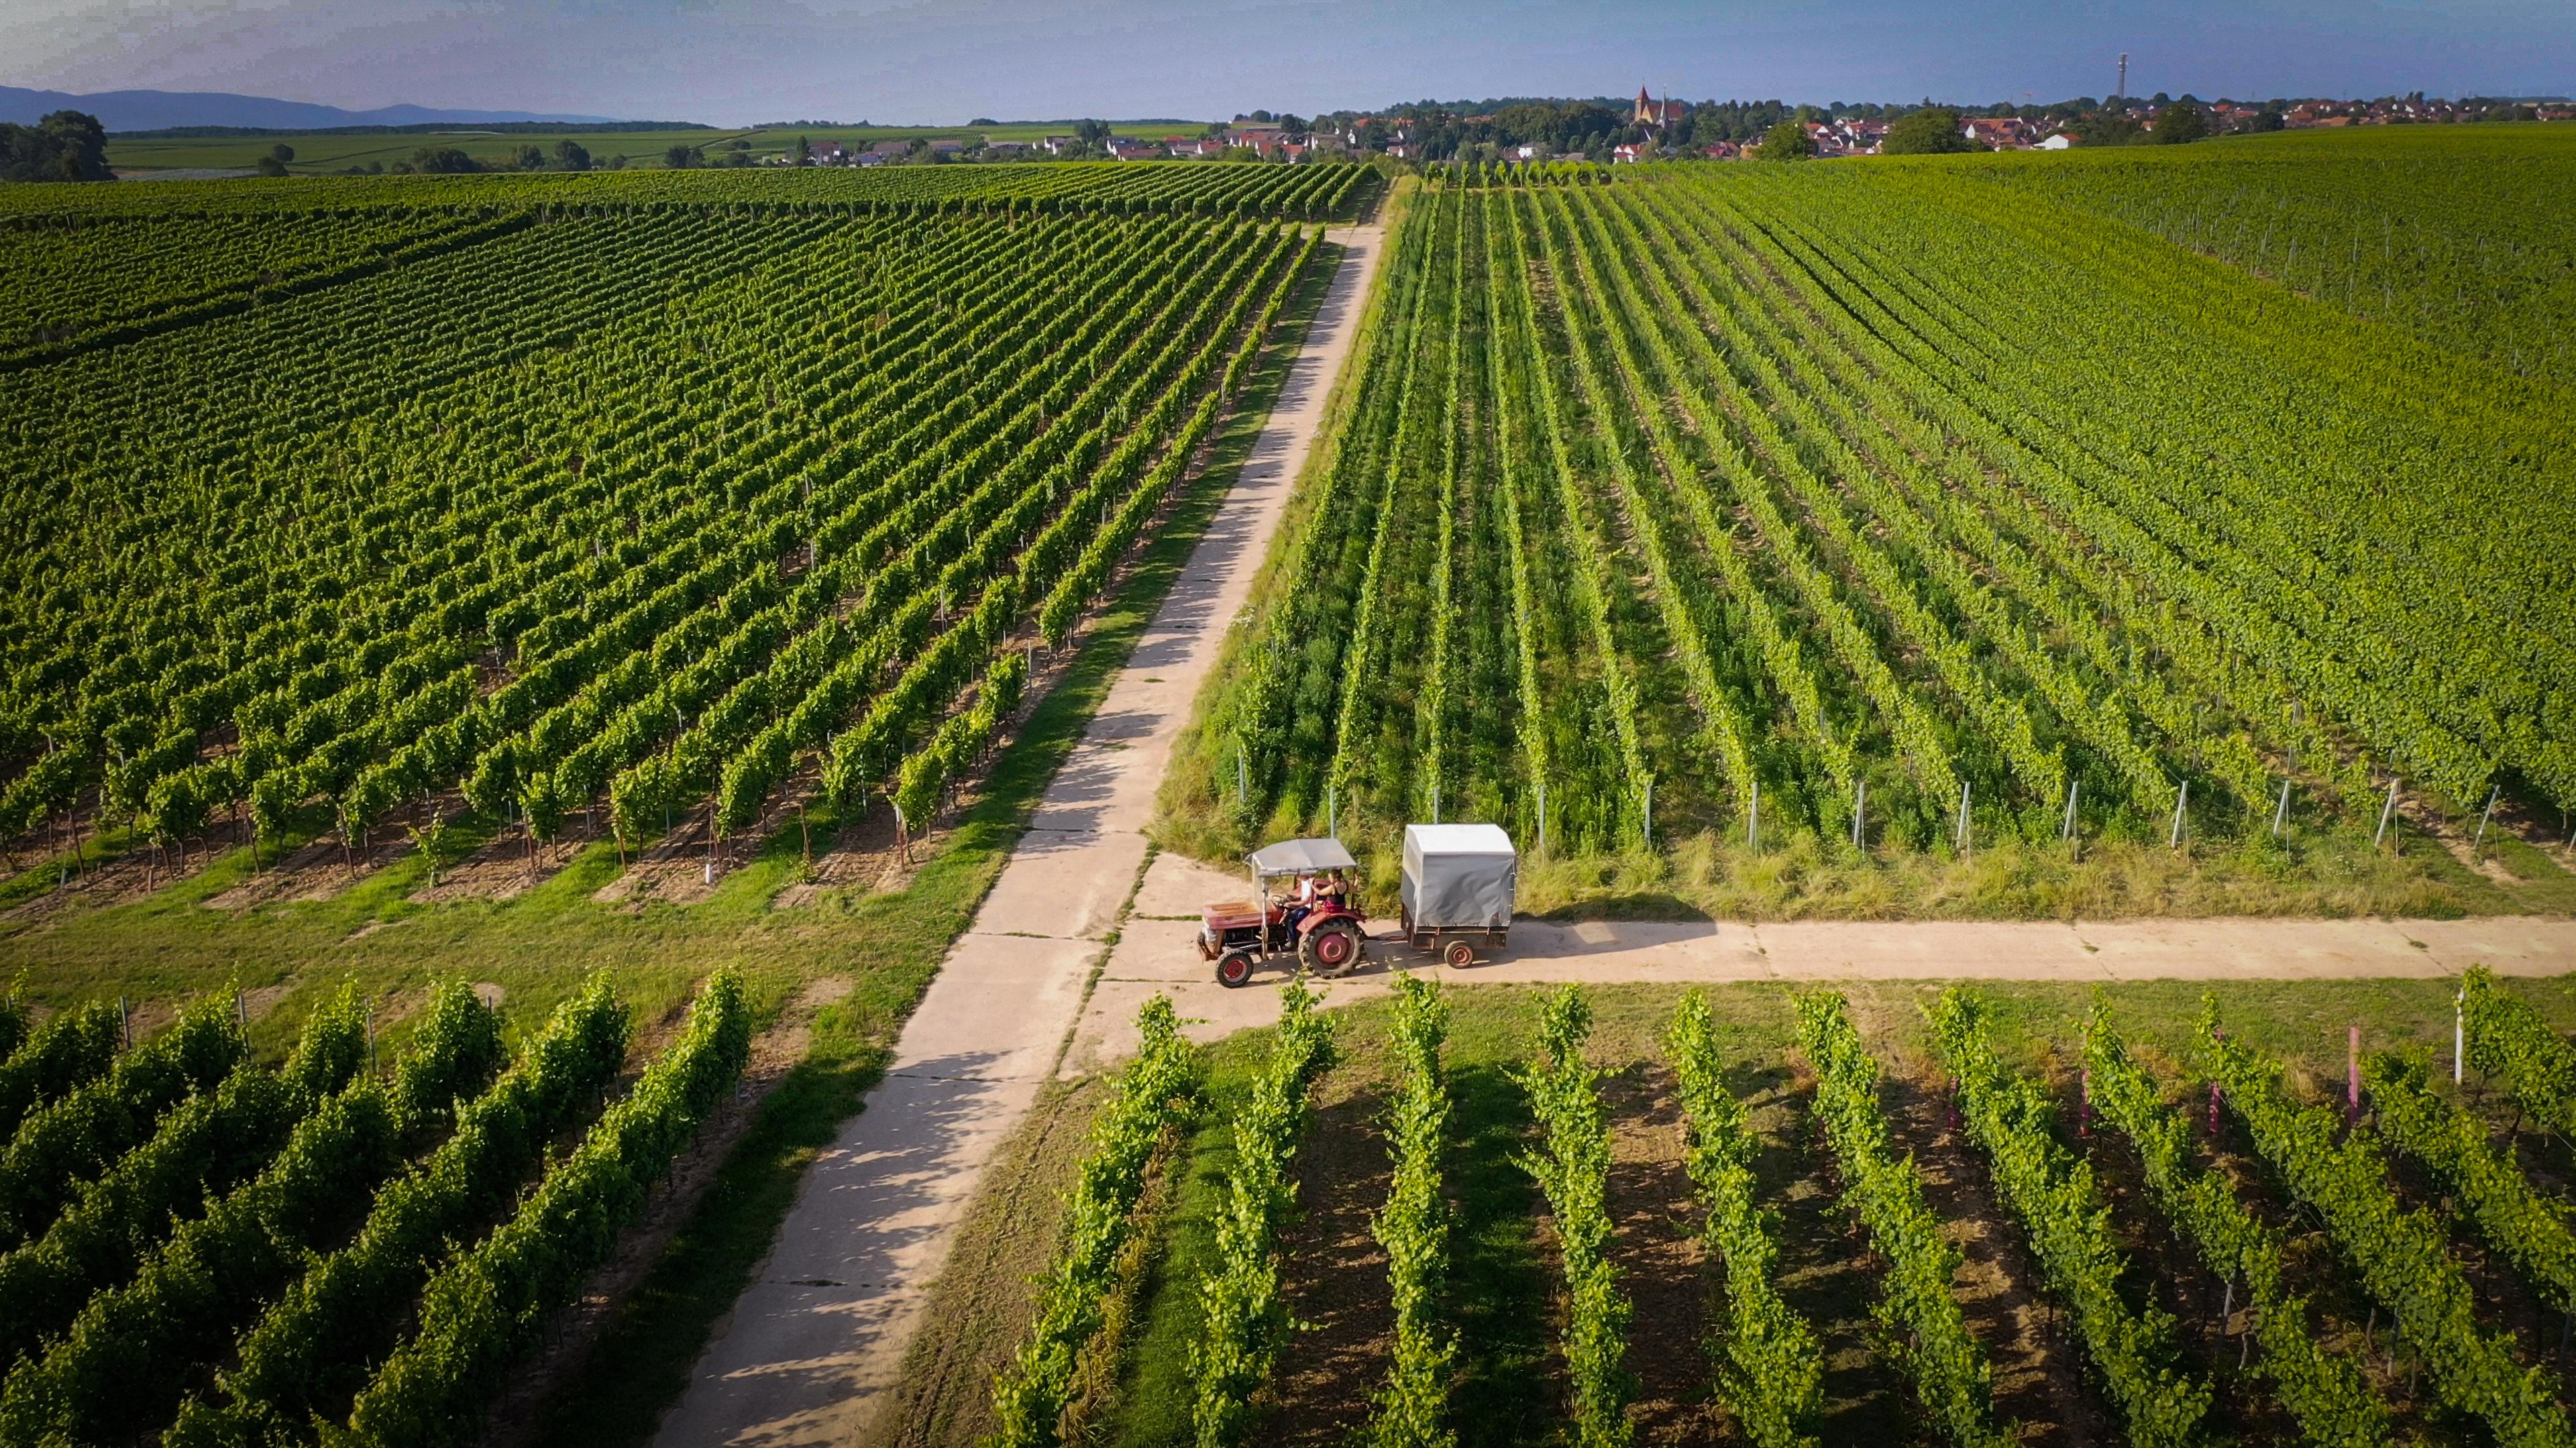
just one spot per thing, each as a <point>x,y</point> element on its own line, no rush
<point>1458,877</point>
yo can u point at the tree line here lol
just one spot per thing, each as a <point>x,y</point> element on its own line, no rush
<point>64,146</point>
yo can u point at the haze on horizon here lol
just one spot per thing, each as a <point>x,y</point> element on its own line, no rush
<point>942,63</point>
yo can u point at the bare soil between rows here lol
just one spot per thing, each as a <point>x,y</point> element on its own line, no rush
<point>2045,1390</point>
<point>573,1332</point>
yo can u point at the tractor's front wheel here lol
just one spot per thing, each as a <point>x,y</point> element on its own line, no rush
<point>1234,969</point>
<point>1330,948</point>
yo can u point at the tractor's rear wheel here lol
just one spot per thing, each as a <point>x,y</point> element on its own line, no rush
<point>1330,948</point>
<point>1234,968</point>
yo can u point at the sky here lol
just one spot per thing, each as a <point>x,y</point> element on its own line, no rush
<point>739,62</point>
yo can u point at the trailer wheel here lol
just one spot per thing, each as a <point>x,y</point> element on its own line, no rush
<point>1234,969</point>
<point>1460,955</point>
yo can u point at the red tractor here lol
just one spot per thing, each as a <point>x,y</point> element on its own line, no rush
<point>1324,936</point>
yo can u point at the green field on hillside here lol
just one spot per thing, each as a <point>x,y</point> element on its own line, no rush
<point>2459,235</point>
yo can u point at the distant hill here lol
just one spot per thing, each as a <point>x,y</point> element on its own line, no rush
<point>151,110</point>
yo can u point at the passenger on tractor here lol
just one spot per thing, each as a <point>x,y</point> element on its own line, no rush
<point>1333,890</point>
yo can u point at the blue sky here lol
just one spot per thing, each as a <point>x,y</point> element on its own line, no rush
<point>734,62</point>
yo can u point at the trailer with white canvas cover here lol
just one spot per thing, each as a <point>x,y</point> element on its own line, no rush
<point>1457,889</point>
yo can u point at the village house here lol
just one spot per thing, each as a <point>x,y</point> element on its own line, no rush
<point>1123,149</point>
<point>1998,133</point>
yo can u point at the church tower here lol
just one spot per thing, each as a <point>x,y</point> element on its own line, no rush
<point>1645,115</point>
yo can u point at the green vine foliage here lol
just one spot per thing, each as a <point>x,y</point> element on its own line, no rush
<point>454,1054</point>
<point>1574,1171</point>
<point>1770,1367</point>
<point>309,1355</point>
<point>2325,1391</point>
<point>1924,1324</point>
<point>1246,1323</point>
<point>209,1144</point>
<point>1413,1227</point>
<point>118,1373</point>
<point>2401,1256</point>
<point>2526,1228</point>
<point>2509,1040</point>
<point>2050,1191</point>
<point>1153,1092</point>
<point>488,1308</point>
<point>68,1051</point>
<point>73,1140</point>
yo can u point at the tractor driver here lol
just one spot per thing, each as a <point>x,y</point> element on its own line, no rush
<point>1302,904</point>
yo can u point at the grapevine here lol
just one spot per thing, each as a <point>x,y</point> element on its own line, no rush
<point>2051,1193</point>
<point>1926,1328</point>
<point>1573,1169</point>
<point>2398,1254</point>
<point>1413,1227</point>
<point>1032,1397</point>
<point>1245,1322</point>
<point>1771,1365</point>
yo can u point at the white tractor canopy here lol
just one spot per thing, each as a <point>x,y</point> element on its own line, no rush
<point>1301,857</point>
<point>1459,877</point>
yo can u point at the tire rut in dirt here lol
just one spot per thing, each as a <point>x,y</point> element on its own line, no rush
<point>1826,1273</point>
<point>1334,1276</point>
<point>1662,1267</point>
<point>2038,1373</point>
